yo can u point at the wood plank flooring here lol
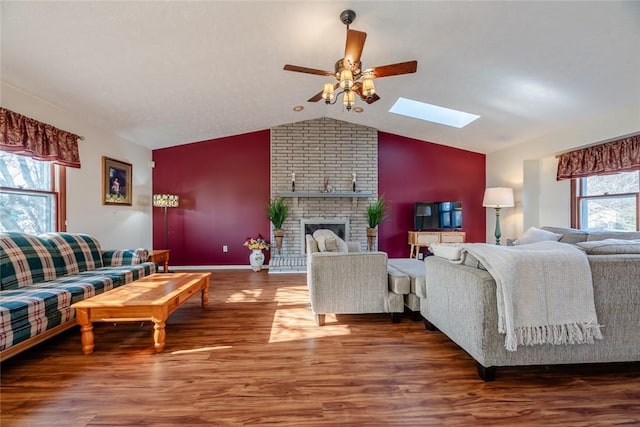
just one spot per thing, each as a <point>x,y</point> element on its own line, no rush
<point>254,357</point>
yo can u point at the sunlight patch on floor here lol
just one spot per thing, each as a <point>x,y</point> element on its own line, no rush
<point>198,350</point>
<point>293,320</point>
<point>246,295</point>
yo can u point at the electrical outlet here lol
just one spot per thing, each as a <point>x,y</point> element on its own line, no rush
<point>420,255</point>
<point>225,248</point>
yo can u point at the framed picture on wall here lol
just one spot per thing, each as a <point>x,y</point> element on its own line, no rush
<point>116,182</point>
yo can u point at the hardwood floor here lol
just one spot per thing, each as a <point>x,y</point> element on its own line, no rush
<point>255,357</point>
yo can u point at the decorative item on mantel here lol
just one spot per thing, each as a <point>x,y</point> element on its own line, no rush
<point>257,245</point>
<point>293,182</point>
<point>353,182</point>
<point>376,213</point>
<point>277,212</point>
<point>326,188</point>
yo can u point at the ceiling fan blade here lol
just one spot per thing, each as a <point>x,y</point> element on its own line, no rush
<point>315,98</point>
<point>395,69</point>
<point>353,49</point>
<point>315,71</point>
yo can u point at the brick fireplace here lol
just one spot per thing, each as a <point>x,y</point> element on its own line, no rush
<point>324,154</point>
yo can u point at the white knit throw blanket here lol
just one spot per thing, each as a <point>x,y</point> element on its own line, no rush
<point>544,293</point>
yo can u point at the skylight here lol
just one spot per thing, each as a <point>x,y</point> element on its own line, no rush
<point>432,113</point>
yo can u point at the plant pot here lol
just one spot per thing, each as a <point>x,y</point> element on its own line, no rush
<point>371,238</point>
<point>278,233</point>
<point>256,259</point>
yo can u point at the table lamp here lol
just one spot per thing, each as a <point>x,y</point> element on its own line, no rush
<point>497,198</point>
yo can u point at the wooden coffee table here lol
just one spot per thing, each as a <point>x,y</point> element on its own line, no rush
<point>153,298</point>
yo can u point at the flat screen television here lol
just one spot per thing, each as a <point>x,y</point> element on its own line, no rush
<point>437,215</point>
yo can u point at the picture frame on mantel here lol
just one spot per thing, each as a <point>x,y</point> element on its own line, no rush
<point>116,182</point>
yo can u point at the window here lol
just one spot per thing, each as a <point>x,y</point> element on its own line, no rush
<point>32,195</point>
<point>607,202</point>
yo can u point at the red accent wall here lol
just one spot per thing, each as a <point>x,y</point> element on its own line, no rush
<point>410,170</point>
<point>223,186</point>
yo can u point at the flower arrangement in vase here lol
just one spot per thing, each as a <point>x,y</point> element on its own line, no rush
<point>257,245</point>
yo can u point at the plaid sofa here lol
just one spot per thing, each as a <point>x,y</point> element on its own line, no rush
<point>41,276</point>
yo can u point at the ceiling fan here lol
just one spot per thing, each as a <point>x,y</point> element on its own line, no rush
<point>349,73</point>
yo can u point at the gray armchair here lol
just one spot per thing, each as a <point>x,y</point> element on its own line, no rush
<point>343,282</point>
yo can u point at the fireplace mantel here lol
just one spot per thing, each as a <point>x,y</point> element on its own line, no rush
<point>325,194</point>
<point>331,194</point>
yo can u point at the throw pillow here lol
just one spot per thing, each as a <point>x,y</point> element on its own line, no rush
<point>534,235</point>
<point>336,244</point>
<point>450,251</point>
<point>331,245</point>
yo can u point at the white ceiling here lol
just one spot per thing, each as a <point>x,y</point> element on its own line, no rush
<point>173,72</point>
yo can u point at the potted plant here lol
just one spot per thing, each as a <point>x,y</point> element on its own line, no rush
<point>277,212</point>
<point>376,213</point>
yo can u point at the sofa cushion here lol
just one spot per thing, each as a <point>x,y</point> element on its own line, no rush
<point>534,235</point>
<point>413,268</point>
<point>328,241</point>
<point>26,259</point>
<point>31,310</point>
<point>125,257</point>
<point>621,235</point>
<point>80,252</point>
<point>399,282</point>
<point>611,247</point>
<point>569,235</point>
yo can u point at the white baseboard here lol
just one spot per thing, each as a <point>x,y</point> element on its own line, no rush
<point>213,267</point>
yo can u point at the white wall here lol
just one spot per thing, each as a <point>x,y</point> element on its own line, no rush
<point>530,169</point>
<point>113,226</point>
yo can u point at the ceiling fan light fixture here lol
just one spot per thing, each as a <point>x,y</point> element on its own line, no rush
<point>368,88</point>
<point>327,92</point>
<point>346,79</point>
<point>352,78</point>
<point>349,99</point>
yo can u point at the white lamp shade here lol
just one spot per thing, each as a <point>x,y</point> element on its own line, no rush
<point>349,98</point>
<point>165,200</point>
<point>346,79</point>
<point>498,197</point>
<point>327,92</point>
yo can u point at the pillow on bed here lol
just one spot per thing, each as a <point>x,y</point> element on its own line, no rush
<point>534,235</point>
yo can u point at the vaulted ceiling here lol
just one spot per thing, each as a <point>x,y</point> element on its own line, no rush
<point>173,72</point>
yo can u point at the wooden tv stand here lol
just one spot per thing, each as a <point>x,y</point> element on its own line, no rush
<point>418,239</point>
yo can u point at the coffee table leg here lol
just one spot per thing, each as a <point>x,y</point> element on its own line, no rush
<point>159,335</point>
<point>205,295</point>
<point>86,330</point>
<point>205,291</point>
